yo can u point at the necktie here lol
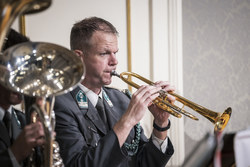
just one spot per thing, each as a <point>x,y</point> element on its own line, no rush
<point>7,122</point>
<point>101,110</point>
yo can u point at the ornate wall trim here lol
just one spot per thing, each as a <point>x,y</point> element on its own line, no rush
<point>165,55</point>
<point>176,73</point>
<point>166,60</point>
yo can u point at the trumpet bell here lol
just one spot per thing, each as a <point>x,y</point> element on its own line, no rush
<point>40,69</point>
<point>222,120</point>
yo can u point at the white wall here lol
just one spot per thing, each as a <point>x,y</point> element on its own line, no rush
<point>54,24</point>
<point>216,47</point>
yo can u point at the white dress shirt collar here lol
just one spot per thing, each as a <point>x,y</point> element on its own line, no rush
<point>93,97</point>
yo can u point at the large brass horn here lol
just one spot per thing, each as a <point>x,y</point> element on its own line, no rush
<point>220,120</point>
<point>41,71</point>
<point>10,9</point>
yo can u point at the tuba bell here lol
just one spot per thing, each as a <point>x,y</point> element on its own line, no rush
<point>40,71</point>
<point>10,9</point>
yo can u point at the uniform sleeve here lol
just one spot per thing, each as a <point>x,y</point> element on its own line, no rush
<point>6,159</point>
<point>149,155</point>
<point>13,158</point>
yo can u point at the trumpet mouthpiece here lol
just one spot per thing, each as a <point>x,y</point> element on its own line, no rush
<point>113,72</point>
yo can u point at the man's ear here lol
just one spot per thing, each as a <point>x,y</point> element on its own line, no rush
<point>79,53</point>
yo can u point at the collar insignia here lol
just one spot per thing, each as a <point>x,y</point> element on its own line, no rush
<point>107,99</point>
<point>82,100</point>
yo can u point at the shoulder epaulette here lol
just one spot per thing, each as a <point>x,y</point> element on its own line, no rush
<point>125,91</point>
<point>112,87</point>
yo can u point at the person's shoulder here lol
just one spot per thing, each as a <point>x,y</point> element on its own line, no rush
<point>112,88</point>
<point>66,98</point>
<point>64,95</point>
<point>115,90</point>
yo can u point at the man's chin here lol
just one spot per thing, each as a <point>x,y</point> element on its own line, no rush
<point>107,82</point>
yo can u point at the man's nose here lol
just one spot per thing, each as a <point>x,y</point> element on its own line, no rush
<point>113,59</point>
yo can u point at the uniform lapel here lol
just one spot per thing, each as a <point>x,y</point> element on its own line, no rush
<point>112,116</point>
<point>4,134</point>
<point>95,118</point>
<point>90,111</point>
<point>114,112</point>
<point>16,126</point>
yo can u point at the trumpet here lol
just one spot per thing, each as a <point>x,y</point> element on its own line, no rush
<point>219,120</point>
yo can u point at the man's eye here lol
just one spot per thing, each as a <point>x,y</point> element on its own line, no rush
<point>103,54</point>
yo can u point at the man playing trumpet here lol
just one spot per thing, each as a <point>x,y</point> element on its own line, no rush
<point>99,126</point>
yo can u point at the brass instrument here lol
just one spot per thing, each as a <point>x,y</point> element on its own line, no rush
<point>42,108</point>
<point>41,71</point>
<point>10,9</point>
<point>220,120</point>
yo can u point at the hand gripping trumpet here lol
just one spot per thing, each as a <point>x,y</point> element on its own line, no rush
<point>220,120</point>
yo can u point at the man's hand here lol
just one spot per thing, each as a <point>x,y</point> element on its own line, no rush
<point>161,116</point>
<point>31,136</point>
<point>140,100</point>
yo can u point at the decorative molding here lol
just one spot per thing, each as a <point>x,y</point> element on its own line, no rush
<point>165,51</point>
<point>128,17</point>
<point>165,18</point>
<point>176,74</point>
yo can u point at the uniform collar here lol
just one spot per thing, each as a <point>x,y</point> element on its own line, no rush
<point>93,97</point>
<point>2,112</point>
